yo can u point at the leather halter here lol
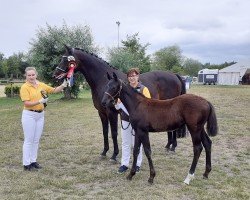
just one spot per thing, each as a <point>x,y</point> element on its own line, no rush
<point>71,66</point>
<point>117,94</point>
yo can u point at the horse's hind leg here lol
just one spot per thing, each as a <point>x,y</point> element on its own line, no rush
<point>207,143</point>
<point>197,149</point>
<point>170,141</point>
<point>174,141</point>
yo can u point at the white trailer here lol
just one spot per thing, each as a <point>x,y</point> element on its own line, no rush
<point>208,76</point>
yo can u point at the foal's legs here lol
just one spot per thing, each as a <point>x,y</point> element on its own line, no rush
<point>197,149</point>
<point>136,151</point>
<point>147,150</point>
<point>207,143</point>
<point>144,139</point>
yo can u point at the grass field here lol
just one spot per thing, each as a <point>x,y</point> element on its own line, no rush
<point>72,142</point>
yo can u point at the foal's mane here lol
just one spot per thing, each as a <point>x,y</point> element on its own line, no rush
<point>97,57</point>
<point>130,87</point>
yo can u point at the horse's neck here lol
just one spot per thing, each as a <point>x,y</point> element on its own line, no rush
<point>95,71</point>
<point>130,98</point>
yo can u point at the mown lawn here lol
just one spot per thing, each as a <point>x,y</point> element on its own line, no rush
<point>72,142</point>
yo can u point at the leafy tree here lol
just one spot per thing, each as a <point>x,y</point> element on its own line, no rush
<point>16,65</point>
<point>1,65</point>
<point>178,70</point>
<point>48,47</point>
<point>191,66</point>
<point>131,54</point>
<point>167,59</point>
<point>4,67</point>
<point>12,67</point>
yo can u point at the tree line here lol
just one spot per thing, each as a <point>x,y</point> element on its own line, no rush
<point>47,47</point>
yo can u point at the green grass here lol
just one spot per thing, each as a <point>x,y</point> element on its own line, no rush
<point>72,142</point>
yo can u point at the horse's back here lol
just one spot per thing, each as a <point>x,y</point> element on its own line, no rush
<point>162,84</point>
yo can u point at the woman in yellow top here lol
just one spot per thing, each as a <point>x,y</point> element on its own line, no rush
<point>33,115</point>
<point>127,132</point>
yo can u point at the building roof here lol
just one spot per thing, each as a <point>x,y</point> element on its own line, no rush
<point>237,67</point>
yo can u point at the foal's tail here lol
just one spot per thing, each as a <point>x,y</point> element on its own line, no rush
<point>183,84</point>
<point>212,126</point>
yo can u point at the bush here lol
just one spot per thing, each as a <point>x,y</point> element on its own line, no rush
<point>15,90</point>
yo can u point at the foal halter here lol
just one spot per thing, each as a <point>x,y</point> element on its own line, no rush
<point>114,97</point>
<point>117,94</point>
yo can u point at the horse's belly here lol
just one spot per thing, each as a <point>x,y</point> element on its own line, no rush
<point>162,126</point>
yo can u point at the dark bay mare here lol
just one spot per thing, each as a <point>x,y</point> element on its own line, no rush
<point>161,84</point>
<point>151,115</point>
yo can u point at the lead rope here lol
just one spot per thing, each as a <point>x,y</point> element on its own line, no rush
<point>132,130</point>
<point>122,125</point>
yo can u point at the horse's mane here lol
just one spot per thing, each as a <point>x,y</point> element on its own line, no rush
<point>96,56</point>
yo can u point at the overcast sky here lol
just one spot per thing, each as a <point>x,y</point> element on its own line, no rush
<point>212,31</point>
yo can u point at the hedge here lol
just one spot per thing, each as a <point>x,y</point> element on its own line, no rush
<point>15,89</point>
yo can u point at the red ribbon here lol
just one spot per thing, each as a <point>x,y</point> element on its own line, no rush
<point>72,66</point>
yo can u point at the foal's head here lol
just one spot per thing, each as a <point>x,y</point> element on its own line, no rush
<point>112,92</point>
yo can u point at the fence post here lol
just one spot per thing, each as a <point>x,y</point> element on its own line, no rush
<point>11,90</point>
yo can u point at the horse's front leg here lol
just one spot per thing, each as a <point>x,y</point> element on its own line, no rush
<point>147,150</point>
<point>113,118</point>
<point>105,130</point>
<point>136,151</point>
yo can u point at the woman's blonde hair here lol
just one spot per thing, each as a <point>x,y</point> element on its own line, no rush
<point>30,68</point>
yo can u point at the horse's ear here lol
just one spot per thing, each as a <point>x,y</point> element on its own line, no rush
<point>115,76</point>
<point>68,49</point>
<point>108,76</point>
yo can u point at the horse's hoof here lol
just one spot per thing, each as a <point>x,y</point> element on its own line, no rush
<point>167,147</point>
<point>129,177</point>
<point>102,157</point>
<point>205,176</point>
<point>189,178</point>
<point>170,152</point>
<point>150,181</point>
<point>113,161</point>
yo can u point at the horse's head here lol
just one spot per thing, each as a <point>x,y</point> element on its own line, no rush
<point>67,65</point>
<point>112,92</point>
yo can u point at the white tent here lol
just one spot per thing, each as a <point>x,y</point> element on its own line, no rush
<point>231,75</point>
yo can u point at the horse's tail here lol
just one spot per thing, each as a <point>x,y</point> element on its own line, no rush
<point>182,131</point>
<point>212,126</point>
<point>183,84</point>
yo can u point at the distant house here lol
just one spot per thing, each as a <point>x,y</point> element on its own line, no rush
<point>235,74</point>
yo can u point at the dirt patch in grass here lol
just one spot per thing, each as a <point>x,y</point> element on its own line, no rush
<point>2,91</point>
